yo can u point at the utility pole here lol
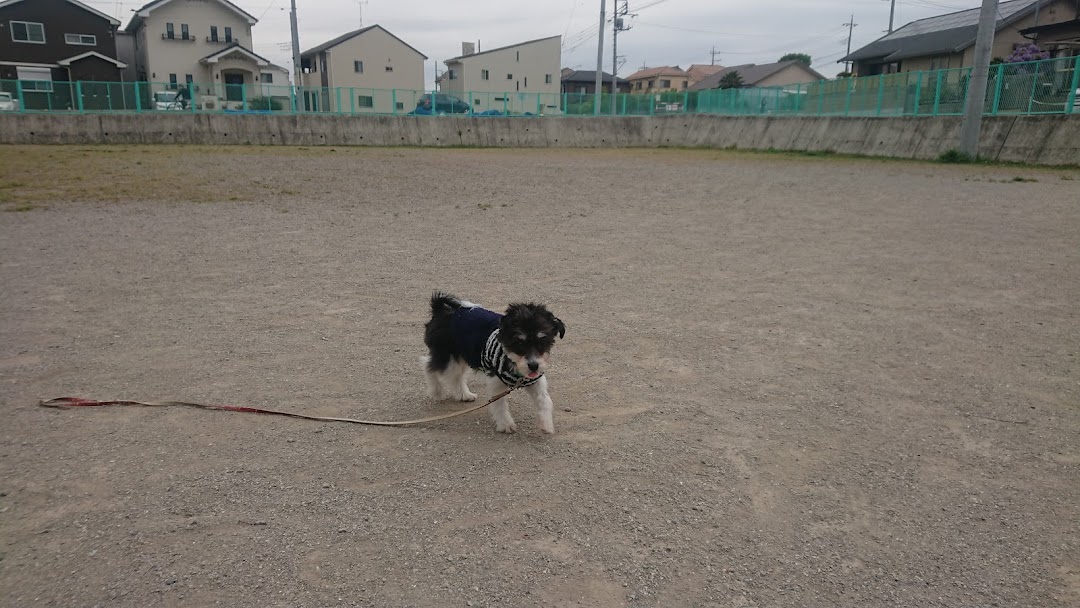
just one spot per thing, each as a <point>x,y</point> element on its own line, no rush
<point>598,95</point>
<point>980,71</point>
<point>892,13</point>
<point>295,45</point>
<point>714,53</point>
<point>851,27</point>
<point>617,26</point>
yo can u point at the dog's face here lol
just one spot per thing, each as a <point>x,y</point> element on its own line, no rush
<point>527,333</point>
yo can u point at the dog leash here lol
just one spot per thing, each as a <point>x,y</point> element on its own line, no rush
<point>64,402</point>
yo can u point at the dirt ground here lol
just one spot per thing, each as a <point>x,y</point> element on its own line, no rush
<point>786,381</point>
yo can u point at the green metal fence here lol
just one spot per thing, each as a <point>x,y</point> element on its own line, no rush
<point>1038,87</point>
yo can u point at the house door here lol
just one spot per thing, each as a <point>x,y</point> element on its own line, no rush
<point>234,87</point>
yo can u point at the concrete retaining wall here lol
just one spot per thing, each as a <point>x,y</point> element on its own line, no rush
<point>1031,139</point>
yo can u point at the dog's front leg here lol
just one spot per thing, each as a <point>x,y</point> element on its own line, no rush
<point>544,408</point>
<point>500,410</point>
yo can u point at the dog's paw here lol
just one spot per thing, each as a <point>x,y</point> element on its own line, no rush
<point>466,396</point>
<point>436,393</point>
<point>506,427</point>
<point>546,425</point>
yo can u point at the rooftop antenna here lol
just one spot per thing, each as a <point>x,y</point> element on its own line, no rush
<point>361,4</point>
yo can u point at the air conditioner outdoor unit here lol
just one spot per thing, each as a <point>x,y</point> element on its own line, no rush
<point>209,102</point>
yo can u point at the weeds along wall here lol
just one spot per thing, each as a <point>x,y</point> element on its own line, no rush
<point>1046,139</point>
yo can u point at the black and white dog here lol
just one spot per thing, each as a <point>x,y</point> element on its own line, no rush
<point>511,348</point>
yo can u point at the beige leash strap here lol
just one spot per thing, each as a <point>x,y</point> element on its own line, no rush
<point>62,402</point>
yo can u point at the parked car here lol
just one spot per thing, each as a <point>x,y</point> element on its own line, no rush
<point>444,104</point>
<point>168,100</point>
<point>8,103</point>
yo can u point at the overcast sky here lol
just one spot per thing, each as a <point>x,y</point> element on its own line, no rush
<point>664,32</point>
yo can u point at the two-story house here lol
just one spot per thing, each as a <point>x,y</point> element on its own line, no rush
<point>361,71</point>
<point>199,46</point>
<point>520,78</point>
<point>659,80</point>
<point>43,42</point>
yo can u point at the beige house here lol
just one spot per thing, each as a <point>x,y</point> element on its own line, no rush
<point>948,41</point>
<point>366,70</point>
<point>779,74</point>
<point>700,71</point>
<point>202,46</point>
<point>659,80</point>
<point>515,79</point>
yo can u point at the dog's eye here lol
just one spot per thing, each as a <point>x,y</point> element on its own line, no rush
<point>541,336</point>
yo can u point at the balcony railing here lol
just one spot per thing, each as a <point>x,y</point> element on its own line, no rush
<point>168,36</point>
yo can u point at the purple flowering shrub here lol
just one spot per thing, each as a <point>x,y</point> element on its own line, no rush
<point>1028,52</point>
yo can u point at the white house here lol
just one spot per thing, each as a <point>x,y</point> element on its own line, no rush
<point>202,45</point>
<point>519,78</point>
<point>361,71</point>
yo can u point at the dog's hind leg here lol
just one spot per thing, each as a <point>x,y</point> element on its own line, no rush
<point>457,375</point>
<point>435,388</point>
<point>500,410</point>
<point>544,408</point>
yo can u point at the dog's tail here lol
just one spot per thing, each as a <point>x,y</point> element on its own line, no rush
<point>444,303</point>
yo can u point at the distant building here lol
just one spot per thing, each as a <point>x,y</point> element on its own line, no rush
<point>659,80</point>
<point>583,82</point>
<point>781,73</point>
<point>948,41</point>
<point>359,71</point>
<point>519,78</point>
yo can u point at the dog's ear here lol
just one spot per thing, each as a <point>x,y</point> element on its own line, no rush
<point>559,325</point>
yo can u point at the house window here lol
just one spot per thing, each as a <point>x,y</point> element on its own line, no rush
<point>365,101</point>
<point>526,82</point>
<point>389,68</point>
<point>518,56</point>
<point>685,84</point>
<point>400,105</point>
<point>451,74</point>
<point>358,67</point>
<point>665,84</point>
<point>267,78</point>
<point>27,31</point>
<point>35,79</point>
<point>228,34</point>
<point>213,33</point>
<point>81,39</point>
<point>547,78</point>
<point>652,83</point>
<point>188,79</point>
<point>485,75</point>
<point>170,31</point>
<point>517,86</point>
<point>509,76</point>
<point>184,32</point>
<point>637,85</point>
<point>172,81</point>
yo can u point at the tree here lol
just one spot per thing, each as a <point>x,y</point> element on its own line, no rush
<point>732,80</point>
<point>803,57</point>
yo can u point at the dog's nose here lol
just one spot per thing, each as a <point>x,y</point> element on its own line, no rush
<point>533,366</point>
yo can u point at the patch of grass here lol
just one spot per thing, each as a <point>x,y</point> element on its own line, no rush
<point>1066,178</point>
<point>484,206</point>
<point>21,208</point>
<point>954,157</point>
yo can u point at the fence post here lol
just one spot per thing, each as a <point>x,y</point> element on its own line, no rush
<point>19,94</point>
<point>1034,85</point>
<point>937,93</point>
<point>847,98</point>
<point>821,97</point>
<point>1070,105</point>
<point>505,97</point>
<point>997,89</point>
<point>918,91</point>
<point>138,97</point>
<point>880,93</point>
<point>78,92</point>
